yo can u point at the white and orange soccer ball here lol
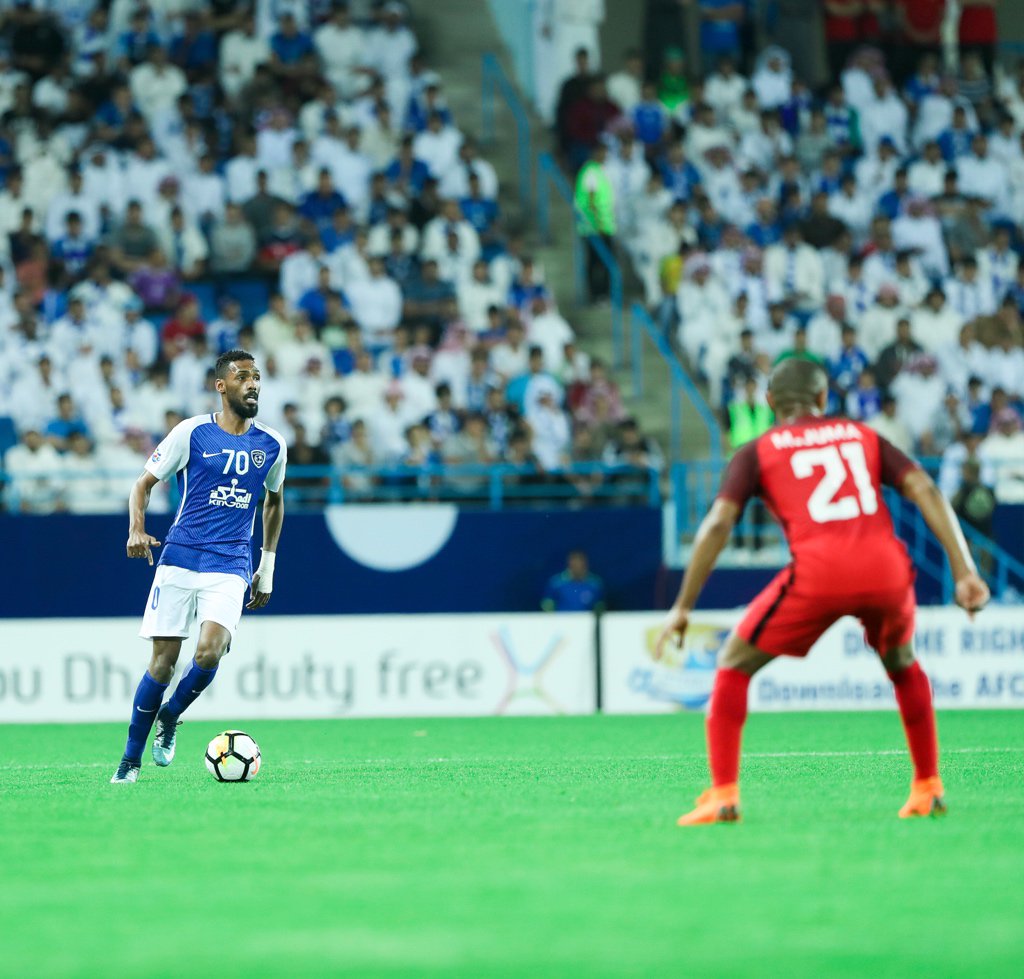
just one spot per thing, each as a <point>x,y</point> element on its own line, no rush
<point>233,756</point>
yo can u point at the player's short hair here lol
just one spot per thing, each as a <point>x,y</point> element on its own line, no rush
<point>226,359</point>
<point>797,382</point>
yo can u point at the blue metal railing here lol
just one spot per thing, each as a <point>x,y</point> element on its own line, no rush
<point>515,22</point>
<point>550,178</point>
<point>311,487</point>
<point>682,385</point>
<point>695,484</point>
<point>494,81</point>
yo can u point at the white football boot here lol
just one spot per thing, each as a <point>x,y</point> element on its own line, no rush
<point>166,735</point>
<point>127,771</point>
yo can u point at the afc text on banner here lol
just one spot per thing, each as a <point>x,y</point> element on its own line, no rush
<point>970,664</point>
<point>313,666</point>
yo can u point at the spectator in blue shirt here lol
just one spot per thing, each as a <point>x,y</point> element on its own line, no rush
<point>340,232</point>
<point>956,140</point>
<point>482,214</point>
<point>893,201</point>
<point>195,50</point>
<point>73,250</point>
<point>576,589</point>
<point>134,43</point>
<point>313,302</point>
<point>67,423</point>
<point>292,51</point>
<point>766,230</point>
<point>320,205</point>
<point>851,362</point>
<point>524,289</point>
<point>405,173</point>
<point>422,104</point>
<point>720,28</point>
<point>650,120</point>
<point>679,174</point>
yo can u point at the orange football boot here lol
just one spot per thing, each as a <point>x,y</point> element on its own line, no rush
<point>926,798</point>
<point>719,804</point>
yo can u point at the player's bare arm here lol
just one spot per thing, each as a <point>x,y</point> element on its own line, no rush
<point>263,579</point>
<point>972,594</point>
<point>712,536</point>
<point>139,542</point>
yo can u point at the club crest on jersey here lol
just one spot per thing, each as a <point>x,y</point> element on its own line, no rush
<point>231,496</point>
<point>258,457</point>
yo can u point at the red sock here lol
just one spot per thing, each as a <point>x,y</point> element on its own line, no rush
<point>724,726</point>
<point>914,697</point>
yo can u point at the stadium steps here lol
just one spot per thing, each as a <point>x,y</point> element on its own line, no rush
<point>453,35</point>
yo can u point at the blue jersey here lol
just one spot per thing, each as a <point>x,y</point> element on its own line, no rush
<point>220,480</point>
<point>571,594</point>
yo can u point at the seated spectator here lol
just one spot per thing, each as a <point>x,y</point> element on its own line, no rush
<point>471,446</point>
<point>132,244</point>
<point>184,326</point>
<point>630,448</point>
<point>376,304</point>
<point>232,242</point>
<point>425,297</point>
<point>284,237</point>
<point>444,421</point>
<point>1003,450</point>
<point>407,173</point>
<point>68,422</point>
<point>550,331</point>
<point>34,470</point>
<point>890,427</point>
<point>946,426</point>
<point>550,433</point>
<point>352,457</point>
<point>72,250</point>
<point>437,146</point>
<point>86,485</point>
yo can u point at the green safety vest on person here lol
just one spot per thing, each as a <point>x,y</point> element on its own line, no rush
<point>747,421</point>
<point>597,218</point>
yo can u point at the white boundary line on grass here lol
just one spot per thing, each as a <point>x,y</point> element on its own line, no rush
<point>672,757</point>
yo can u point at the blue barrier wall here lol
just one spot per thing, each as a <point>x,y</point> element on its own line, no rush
<point>363,559</point>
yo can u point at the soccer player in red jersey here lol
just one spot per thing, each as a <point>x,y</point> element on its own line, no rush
<point>822,478</point>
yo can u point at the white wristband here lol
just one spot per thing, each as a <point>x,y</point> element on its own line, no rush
<point>265,572</point>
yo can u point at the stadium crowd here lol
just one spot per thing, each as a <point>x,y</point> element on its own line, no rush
<point>181,177</point>
<point>871,226</point>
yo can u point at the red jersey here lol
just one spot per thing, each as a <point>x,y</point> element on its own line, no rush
<point>823,478</point>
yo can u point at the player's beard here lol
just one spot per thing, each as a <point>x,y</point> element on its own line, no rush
<point>242,409</point>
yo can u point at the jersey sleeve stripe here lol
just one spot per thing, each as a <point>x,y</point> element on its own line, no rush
<point>773,608</point>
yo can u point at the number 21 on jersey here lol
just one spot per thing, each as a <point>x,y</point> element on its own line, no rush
<point>836,463</point>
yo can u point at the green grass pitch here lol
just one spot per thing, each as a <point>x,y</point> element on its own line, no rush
<point>539,848</point>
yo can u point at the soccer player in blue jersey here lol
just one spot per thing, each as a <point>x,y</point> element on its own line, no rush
<point>221,462</point>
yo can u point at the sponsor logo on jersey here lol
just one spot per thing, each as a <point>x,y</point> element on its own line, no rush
<point>155,457</point>
<point>818,435</point>
<point>258,457</point>
<point>231,496</point>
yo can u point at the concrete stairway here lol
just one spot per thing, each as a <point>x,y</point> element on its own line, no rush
<point>454,35</point>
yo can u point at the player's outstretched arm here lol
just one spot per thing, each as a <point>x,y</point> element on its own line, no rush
<point>972,593</point>
<point>139,542</point>
<point>263,579</point>
<point>712,535</point>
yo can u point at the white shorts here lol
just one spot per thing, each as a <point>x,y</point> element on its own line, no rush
<point>180,597</point>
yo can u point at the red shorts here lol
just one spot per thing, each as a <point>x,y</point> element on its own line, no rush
<point>782,621</point>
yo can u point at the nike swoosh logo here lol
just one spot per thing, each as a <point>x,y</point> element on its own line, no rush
<point>142,710</point>
<point>210,455</point>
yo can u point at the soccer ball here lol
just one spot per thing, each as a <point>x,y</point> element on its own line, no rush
<point>233,756</point>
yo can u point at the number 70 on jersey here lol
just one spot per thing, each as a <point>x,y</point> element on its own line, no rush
<point>236,459</point>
